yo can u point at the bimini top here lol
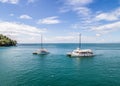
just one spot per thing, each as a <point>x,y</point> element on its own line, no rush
<point>79,50</point>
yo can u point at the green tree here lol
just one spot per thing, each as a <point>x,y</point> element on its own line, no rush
<point>6,41</point>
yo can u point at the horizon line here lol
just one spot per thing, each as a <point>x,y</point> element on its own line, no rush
<point>72,43</point>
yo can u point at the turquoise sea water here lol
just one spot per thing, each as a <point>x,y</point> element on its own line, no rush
<point>19,67</point>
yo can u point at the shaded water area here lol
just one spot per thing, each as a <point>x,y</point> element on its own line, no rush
<point>19,67</point>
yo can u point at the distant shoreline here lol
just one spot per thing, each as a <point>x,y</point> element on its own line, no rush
<point>68,43</point>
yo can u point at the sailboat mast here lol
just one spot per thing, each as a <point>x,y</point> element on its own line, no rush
<point>79,41</point>
<point>41,42</point>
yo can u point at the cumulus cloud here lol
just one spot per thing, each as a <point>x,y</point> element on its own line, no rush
<point>25,17</point>
<point>49,20</point>
<point>22,32</point>
<point>10,1</point>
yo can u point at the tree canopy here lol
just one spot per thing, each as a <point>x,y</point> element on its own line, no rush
<point>6,41</point>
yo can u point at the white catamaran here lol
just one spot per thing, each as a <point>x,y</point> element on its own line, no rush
<point>41,51</point>
<point>80,53</point>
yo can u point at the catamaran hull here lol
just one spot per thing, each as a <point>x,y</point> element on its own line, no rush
<point>40,53</point>
<point>80,55</point>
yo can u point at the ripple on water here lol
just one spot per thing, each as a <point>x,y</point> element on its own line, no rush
<point>19,67</point>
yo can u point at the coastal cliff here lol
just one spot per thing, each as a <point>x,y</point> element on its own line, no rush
<point>6,41</point>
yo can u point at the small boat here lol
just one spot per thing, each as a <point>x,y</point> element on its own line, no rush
<point>79,52</point>
<point>41,51</point>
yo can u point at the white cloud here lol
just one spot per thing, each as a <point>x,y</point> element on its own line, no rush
<point>79,6</point>
<point>82,10</point>
<point>78,2</point>
<point>73,39</point>
<point>94,22</point>
<point>15,1</point>
<point>98,35</point>
<point>64,38</point>
<point>11,14</point>
<point>25,17</point>
<point>10,1</point>
<point>107,27</point>
<point>31,1</point>
<point>49,20</point>
<point>61,39</point>
<point>21,32</point>
<point>109,16</point>
<point>104,16</point>
<point>99,23</point>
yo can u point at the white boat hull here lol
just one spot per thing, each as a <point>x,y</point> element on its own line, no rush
<point>41,52</point>
<point>81,53</point>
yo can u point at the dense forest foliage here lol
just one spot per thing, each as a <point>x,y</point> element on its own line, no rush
<point>6,41</point>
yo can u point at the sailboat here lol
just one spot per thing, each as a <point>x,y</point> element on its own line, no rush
<point>79,52</point>
<point>41,51</point>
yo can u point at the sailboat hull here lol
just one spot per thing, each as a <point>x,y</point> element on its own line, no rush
<point>41,52</point>
<point>80,55</point>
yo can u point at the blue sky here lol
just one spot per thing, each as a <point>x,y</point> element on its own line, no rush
<point>60,21</point>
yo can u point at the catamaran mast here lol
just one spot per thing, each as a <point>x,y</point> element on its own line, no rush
<point>41,42</point>
<point>79,41</point>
